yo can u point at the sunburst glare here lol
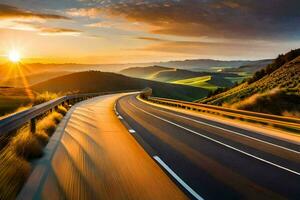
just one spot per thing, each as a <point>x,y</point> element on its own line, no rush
<point>14,56</point>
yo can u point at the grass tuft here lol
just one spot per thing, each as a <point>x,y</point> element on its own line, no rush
<point>42,137</point>
<point>62,110</point>
<point>48,123</point>
<point>26,145</point>
<point>14,158</point>
<point>56,117</point>
<point>44,97</point>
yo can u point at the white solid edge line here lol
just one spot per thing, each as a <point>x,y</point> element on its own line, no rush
<point>180,181</point>
<point>120,117</point>
<point>131,131</point>
<point>221,143</point>
<point>234,132</point>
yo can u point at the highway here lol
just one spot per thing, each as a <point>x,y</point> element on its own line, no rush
<point>93,156</point>
<point>212,160</point>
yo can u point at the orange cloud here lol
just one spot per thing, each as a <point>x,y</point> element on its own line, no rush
<point>19,19</point>
<point>215,19</point>
<point>59,31</point>
<point>84,12</point>
<point>11,12</point>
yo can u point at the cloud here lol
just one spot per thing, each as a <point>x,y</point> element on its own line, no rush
<point>19,19</point>
<point>246,19</point>
<point>40,28</point>
<point>11,12</point>
<point>152,39</point>
<point>84,12</point>
<point>59,31</point>
<point>100,25</point>
<point>204,48</point>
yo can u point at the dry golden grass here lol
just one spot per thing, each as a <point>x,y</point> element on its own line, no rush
<point>24,146</point>
<point>275,101</point>
<point>291,114</point>
<point>14,170</point>
<point>44,97</point>
<point>62,110</point>
<point>48,123</point>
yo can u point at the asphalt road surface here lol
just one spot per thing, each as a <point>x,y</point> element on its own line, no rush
<point>93,156</point>
<point>211,160</point>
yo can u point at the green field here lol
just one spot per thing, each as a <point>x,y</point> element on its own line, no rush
<point>201,82</point>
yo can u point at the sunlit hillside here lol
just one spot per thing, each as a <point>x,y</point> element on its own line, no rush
<point>275,89</point>
<point>207,80</point>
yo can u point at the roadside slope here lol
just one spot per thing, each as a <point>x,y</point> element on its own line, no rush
<point>274,93</point>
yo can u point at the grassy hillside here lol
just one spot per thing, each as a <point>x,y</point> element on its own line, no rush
<point>206,80</point>
<point>275,90</point>
<point>143,72</point>
<point>202,82</point>
<point>95,81</point>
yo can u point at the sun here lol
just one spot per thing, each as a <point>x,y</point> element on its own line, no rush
<point>14,56</point>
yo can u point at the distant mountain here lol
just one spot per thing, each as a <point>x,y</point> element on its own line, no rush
<point>95,81</point>
<point>274,89</point>
<point>250,68</point>
<point>207,64</point>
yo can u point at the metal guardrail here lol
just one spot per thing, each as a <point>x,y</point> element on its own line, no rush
<point>286,122</point>
<point>15,121</point>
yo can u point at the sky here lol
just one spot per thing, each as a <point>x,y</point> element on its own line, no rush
<point>131,31</point>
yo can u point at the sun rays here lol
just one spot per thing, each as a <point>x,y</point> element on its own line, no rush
<point>13,70</point>
<point>14,56</point>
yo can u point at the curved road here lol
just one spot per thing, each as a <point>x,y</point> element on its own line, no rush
<point>93,156</point>
<point>210,160</point>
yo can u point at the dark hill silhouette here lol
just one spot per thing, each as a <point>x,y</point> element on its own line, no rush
<point>96,81</point>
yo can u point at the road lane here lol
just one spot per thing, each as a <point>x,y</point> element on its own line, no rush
<point>210,168</point>
<point>97,158</point>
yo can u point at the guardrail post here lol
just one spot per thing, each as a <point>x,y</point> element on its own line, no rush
<point>33,125</point>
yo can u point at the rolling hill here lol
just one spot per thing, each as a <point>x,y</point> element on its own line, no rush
<point>206,80</point>
<point>33,78</point>
<point>13,98</point>
<point>144,72</point>
<point>276,92</point>
<point>96,81</point>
